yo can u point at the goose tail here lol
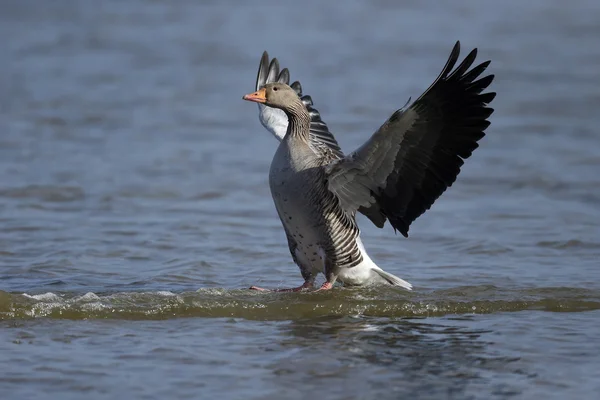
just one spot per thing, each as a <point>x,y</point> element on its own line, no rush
<point>393,279</point>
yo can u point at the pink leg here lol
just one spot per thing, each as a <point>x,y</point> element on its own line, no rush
<point>325,286</point>
<point>305,285</point>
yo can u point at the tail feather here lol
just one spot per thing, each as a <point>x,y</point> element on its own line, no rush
<point>393,279</point>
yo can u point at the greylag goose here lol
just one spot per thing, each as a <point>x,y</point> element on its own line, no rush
<point>396,175</point>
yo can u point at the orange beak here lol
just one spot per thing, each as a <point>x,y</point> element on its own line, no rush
<point>257,97</point>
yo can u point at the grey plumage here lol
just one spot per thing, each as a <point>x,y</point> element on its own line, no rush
<point>396,175</point>
<point>322,237</point>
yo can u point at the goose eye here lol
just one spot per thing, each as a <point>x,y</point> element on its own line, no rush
<point>275,89</point>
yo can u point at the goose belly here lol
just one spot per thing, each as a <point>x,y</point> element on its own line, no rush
<point>298,189</point>
<point>302,222</point>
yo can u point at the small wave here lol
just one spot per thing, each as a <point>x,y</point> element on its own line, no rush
<point>568,244</point>
<point>47,297</point>
<point>222,303</point>
<point>45,193</point>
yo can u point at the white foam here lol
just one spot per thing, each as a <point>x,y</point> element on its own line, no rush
<point>95,306</point>
<point>44,297</point>
<point>89,296</point>
<point>165,293</point>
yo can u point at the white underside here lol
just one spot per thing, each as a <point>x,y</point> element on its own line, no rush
<point>364,274</point>
<point>368,273</point>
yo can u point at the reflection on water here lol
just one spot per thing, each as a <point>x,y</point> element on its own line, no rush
<point>401,356</point>
<point>477,356</point>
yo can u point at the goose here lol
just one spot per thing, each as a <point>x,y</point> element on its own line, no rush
<point>395,176</point>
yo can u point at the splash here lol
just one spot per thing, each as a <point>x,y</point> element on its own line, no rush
<point>222,303</point>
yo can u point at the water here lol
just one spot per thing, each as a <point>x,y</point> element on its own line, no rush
<point>135,210</point>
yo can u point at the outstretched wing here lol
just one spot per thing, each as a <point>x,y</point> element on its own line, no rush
<point>275,120</point>
<point>417,153</point>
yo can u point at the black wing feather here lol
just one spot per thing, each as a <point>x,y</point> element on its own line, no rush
<point>418,152</point>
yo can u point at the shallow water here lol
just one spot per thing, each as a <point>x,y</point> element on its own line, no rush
<point>135,210</point>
